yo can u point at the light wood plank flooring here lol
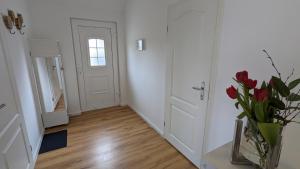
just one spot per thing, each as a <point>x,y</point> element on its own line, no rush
<point>113,138</point>
<point>60,107</point>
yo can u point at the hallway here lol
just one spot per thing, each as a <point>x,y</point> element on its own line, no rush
<point>115,138</point>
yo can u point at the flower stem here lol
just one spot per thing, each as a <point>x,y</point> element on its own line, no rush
<point>272,62</point>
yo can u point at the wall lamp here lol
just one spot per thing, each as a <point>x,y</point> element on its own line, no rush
<point>10,20</point>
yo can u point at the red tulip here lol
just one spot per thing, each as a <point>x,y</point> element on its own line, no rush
<point>242,77</point>
<point>251,84</point>
<point>232,92</point>
<point>260,95</point>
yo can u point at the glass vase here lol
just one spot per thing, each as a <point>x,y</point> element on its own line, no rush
<point>258,151</point>
<point>273,155</point>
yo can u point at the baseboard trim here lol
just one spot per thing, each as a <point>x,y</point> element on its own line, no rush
<point>36,151</point>
<point>149,122</point>
<point>75,114</point>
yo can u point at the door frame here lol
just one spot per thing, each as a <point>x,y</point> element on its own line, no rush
<point>212,74</point>
<point>75,23</point>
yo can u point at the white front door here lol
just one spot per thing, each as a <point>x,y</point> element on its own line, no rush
<point>14,145</point>
<point>191,34</point>
<point>96,69</point>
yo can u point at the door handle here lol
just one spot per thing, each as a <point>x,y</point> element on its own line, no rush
<point>2,106</point>
<point>201,89</point>
<point>198,88</point>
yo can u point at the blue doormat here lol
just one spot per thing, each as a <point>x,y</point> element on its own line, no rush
<point>54,141</point>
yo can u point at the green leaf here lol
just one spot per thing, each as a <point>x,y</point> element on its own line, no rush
<point>277,103</point>
<point>259,112</point>
<point>237,105</point>
<point>269,113</point>
<point>280,86</point>
<point>294,84</point>
<point>293,97</point>
<point>242,115</point>
<point>243,104</point>
<point>270,132</point>
<point>263,85</point>
<point>253,102</point>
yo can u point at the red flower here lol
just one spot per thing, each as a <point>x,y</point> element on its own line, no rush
<point>232,92</point>
<point>242,77</point>
<point>260,95</point>
<point>251,84</point>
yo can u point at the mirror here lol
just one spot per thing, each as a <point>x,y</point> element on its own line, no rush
<point>49,74</point>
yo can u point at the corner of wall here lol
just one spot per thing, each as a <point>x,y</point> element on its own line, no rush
<point>149,122</point>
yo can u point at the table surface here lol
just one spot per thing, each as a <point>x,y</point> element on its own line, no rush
<point>220,159</point>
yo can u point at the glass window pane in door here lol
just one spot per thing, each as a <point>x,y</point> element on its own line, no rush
<point>97,52</point>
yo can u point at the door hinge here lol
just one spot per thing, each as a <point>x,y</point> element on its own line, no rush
<point>167,28</point>
<point>30,53</point>
<point>30,148</point>
<point>164,123</point>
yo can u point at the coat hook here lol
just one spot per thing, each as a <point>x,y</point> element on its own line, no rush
<point>11,32</point>
<point>22,33</point>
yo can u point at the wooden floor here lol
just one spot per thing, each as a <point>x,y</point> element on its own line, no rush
<point>114,138</point>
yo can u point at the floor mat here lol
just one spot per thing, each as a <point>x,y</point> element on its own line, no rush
<point>54,141</point>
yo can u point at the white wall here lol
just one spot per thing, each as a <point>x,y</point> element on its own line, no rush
<point>51,19</point>
<point>146,70</point>
<point>16,47</point>
<point>248,27</point>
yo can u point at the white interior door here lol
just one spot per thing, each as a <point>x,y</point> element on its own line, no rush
<point>14,145</point>
<point>96,66</point>
<point>191,33</point>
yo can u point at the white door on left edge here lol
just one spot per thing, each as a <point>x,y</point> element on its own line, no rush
<point>96,71</point>
<point>14,145</point>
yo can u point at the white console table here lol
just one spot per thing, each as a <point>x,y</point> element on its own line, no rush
<point>220,159</point>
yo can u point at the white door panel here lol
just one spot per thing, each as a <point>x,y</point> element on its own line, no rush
<point>14,144</point>
<point>7,102</point>
<point>181,126</point>
<point>98,84</point>
<point>96,61</point>
<point>191,30</point>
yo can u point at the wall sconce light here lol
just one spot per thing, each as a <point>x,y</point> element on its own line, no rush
<point>8,23</point>
<point>11,14</point>
<point>19,22</point>
<point>140,45</point>
<point>10,20</point>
